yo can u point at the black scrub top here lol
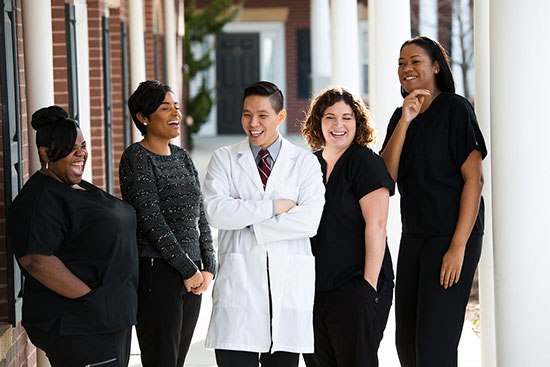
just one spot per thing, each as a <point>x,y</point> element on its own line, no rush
<point>436,145</point>
<point>339,246</point>
<point>94,235</point>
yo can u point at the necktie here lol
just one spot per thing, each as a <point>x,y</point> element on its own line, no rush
<point>263,166</point>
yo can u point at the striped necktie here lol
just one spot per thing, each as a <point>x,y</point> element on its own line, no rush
<point>263,166</point>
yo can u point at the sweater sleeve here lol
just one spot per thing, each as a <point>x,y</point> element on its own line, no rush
<point>138,187</point>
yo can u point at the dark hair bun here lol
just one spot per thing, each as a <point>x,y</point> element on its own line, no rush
<point>47,116</point>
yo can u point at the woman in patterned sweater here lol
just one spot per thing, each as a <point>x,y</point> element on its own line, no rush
<point>177,260</point>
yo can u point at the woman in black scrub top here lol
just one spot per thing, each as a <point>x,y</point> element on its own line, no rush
<point>76,245</point>
<point>354,276</point>
<point>433,150</point>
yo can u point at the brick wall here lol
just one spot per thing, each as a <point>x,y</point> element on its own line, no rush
<point>60,71</point>
<point>21,353</point>
<point>149,44</point>
<point>445,22</point>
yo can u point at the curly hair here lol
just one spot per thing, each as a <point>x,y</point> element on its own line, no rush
<point>311,126</point>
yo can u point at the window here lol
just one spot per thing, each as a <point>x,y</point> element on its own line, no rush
<point>11,133</point>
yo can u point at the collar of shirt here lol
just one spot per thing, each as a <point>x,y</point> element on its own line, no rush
<point>273,150</point>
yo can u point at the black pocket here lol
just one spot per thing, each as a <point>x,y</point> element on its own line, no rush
<point>86,314</point>
<point>146,265</point>
<point>370,292</point>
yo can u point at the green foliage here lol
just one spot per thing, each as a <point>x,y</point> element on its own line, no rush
<point>199,24</point>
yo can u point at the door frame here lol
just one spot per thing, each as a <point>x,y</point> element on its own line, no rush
<point>271,34</point>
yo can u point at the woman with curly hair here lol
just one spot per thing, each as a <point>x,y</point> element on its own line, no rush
<point>354,276</point>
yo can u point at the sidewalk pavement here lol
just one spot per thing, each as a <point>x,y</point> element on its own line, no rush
<point>469,350</point>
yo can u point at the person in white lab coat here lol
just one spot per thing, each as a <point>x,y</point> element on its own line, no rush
<point>266,206</point>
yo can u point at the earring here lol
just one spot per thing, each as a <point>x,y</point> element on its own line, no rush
<point>47,165</point>
<point>144,123</point>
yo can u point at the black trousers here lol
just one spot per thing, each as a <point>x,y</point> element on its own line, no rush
<point>429,319</point>
<point>103,350</point>
<point>167,314</point>
<point>349,323</point>
<point>235,358</point>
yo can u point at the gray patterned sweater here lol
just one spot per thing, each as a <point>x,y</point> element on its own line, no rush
<point>165,193</point>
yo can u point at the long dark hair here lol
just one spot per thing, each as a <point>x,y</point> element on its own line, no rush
<point>444,79</point>
<point>55,131</point>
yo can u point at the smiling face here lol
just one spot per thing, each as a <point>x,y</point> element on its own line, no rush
<point>69,169</point>
<point>339,126</point>
<point>164,123</point>
<point>260,121</point>
<point>416,70</point>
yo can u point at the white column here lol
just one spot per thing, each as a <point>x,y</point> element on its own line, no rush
<point>389,27</point>
<point>37,26</point>
<point>171,57</point>
<point>136,32</point>
<point>483,112</point>
<point>170,40</point>
<point>427,18</point>
<point>371,61</point>
<point>320,45</point>
<point>520,128</point>
<point>82,58</point>
<point>344,44</point>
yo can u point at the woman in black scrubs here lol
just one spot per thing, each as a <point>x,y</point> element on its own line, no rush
<point>76,246</point>
<point>354,276</point>
<point>433,150</point>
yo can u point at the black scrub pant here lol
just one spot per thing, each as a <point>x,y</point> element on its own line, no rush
<point>349,323</point>
<point>166,316</point>
<point>235,358</point>
<point>103,350</point>
<point>429,319</point>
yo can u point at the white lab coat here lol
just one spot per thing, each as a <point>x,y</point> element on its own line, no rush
<point>250,236</point>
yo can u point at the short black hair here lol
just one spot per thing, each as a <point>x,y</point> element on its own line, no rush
<point>148,96</point>
<point>266,89</point>
<point>444,78</point>
<point>55,131</point>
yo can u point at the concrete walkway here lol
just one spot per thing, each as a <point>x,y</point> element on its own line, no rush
<point>469,351</point>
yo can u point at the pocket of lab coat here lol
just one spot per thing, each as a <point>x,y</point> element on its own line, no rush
<point>231,286</point>
<point>299,290</point>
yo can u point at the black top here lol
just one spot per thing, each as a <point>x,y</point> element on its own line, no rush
<point>436,145</point>
<point>93,234</point>
<point>165,193</point>
<point>339,246</point>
